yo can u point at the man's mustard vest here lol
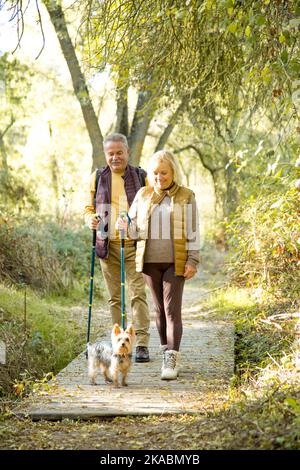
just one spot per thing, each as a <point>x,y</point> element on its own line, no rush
<point>179,204</point>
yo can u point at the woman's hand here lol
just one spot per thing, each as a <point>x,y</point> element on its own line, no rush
<point>122,224</point>
<point>189,271</point>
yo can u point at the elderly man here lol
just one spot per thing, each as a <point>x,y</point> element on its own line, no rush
<point>112,191</point>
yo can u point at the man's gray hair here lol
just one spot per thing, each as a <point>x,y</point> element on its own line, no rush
<point>116,137</point>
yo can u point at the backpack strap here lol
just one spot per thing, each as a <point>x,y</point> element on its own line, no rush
<point>141,174</point>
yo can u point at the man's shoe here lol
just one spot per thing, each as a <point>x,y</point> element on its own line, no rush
<point>142,354</point>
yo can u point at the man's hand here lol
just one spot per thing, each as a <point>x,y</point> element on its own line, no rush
<point>189,271</point>
<point>93,222</point>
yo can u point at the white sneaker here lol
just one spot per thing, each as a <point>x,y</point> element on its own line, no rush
<point>170,365</point>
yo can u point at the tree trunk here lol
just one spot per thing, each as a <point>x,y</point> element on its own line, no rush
<point>220,194</point>
<point>54,171</point>
<point>122,125</point>
<point>2,144</point>
<point>80,88</point>
<point>168,130</point>
<point>141,121</point>
<point>122,116</point>
<point>231,190</point>
<point>3,155</point>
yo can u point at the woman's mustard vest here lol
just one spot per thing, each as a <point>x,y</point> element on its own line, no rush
<point>178,226</point>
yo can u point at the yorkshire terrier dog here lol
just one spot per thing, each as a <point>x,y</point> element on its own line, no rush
<point>112,358</point>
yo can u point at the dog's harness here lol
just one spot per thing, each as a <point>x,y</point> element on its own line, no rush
<point>121,357</point>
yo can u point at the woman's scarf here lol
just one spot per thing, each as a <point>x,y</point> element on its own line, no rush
<point>159,194</point>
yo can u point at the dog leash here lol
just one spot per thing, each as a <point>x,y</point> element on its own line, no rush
<point>123,215</point>
<point>91,286</point>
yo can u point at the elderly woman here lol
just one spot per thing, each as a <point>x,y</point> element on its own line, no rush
<point>163,219</point>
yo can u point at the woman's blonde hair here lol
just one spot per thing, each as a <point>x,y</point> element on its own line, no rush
<point>163,156</point>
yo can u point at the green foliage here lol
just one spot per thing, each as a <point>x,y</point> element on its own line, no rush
<point>215,46</point>
<point>17,194</point>
<point>264,234</point>
<point>15,83</point>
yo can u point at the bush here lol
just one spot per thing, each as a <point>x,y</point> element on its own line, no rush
<point>265,238</point>
<point>43,254</point>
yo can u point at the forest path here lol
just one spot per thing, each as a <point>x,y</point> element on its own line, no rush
<point>207,364</point>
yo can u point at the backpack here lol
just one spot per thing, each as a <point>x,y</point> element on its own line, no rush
<point>139,170</point>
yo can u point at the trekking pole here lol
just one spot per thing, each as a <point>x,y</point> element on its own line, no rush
<point>123,215</point>
<point>91,288</point>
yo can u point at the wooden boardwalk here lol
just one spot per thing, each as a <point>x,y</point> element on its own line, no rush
<point>207,362</point>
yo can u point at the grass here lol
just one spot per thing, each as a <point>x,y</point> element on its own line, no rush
<point>264,327</point>
<point>231,299</point>
<point>39,339</point>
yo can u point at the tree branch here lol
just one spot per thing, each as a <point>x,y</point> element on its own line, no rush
<point>12,121</point>
<point>201,157</point>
